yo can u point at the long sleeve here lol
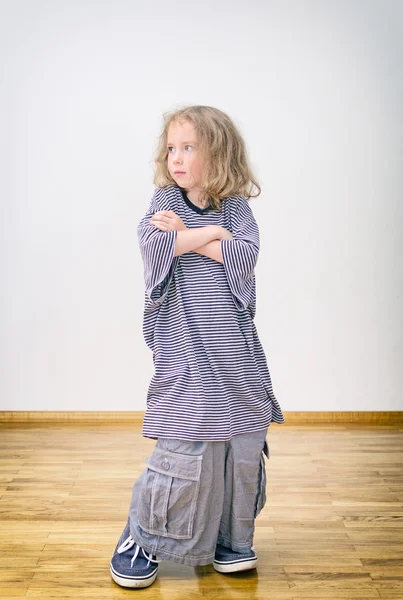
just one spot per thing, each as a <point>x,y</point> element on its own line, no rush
<point>240,256</point>
<point>157,250</point>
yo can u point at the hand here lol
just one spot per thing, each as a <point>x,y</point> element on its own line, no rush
<point>167,220</point>
<point>224,233</point>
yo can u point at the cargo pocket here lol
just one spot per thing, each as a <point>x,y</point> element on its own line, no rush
<point>168,495</point>
<point>261,484</point>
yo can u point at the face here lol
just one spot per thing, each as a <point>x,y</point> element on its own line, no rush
<point>185,163</point>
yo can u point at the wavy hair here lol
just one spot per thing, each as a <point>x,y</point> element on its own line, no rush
<point>227,171</point>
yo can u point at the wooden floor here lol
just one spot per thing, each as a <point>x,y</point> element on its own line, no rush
<point>332,526</point>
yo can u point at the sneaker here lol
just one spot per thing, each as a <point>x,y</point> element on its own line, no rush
<point>131,566</point>
<point>228,561</point>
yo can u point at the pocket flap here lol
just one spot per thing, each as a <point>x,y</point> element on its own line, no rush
<point>170,463</point>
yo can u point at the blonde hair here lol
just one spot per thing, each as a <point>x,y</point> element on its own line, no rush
<point>227,171</point>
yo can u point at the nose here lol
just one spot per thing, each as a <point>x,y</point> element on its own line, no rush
<point>177,159</point>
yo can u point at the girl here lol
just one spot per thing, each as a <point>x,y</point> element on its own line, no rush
<point>210,400</point>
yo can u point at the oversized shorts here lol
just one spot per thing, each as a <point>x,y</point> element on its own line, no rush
<point>193,495</point>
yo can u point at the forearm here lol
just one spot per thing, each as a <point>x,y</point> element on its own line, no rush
<point>197,237</point>
<point>212,250</point>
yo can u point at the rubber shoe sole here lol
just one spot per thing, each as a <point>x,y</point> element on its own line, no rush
<point>133,582</point>
<point>233,566</point>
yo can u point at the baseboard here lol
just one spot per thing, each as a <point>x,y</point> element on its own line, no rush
<point>291,418</point>
<point>71,416</point>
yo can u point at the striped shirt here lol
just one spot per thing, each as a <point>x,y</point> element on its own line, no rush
<point>211,379</point>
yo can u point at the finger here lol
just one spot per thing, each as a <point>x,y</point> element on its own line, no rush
<point>158,223</point>
<point>162,219</point>
<point>161,226</point>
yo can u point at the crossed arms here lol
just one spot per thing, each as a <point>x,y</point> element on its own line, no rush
<point>202,240</point>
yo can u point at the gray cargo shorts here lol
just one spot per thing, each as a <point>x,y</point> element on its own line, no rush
<point>193,495</point>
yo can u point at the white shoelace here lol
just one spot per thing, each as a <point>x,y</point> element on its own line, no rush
<point>128,543</point>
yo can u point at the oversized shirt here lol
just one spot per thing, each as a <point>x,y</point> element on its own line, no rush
<point>211,378</point>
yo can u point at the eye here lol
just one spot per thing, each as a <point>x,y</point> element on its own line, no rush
<point>188,146</point>
<point>169,148</point>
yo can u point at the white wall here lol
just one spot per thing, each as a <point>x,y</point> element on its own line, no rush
<point>315,87</point>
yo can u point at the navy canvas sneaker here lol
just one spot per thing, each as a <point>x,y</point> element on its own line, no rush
<point>131,566</point>
<point>228,561</point>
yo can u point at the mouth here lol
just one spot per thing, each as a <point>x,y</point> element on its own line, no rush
<point>179,173</point>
